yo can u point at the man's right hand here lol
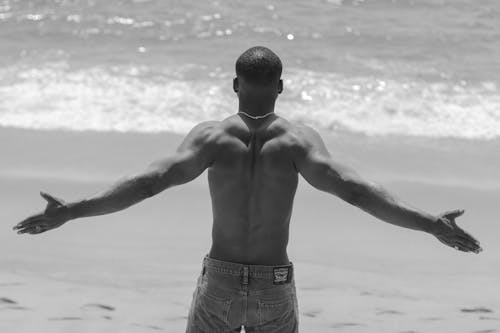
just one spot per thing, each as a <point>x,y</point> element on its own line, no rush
<point>56,213</point>
<point>450,234</point>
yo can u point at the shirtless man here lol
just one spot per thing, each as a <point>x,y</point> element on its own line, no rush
<point>253,159</point>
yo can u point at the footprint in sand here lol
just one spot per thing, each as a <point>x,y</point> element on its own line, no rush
<point>66,318</point>
<point>476,310</point>
<point>98,306</point>
<point>153,327</point>
<point>5,300</point>
<point>389,312</point>
<point>311,313</point>
<point>432,318</point>
<point>11,304</point>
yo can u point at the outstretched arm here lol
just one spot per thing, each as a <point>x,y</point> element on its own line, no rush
<point>192,157</point>
<point>317,166</point>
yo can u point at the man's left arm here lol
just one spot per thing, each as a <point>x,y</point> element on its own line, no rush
<point>325,173</point>
<point>192,157</point>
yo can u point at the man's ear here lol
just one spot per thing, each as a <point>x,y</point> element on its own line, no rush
<point>280,86</point>
<point>235,84</point>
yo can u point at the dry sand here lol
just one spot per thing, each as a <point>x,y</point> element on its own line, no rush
<point>135,270</point>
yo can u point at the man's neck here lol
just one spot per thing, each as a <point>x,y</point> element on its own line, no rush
<point>254,110</point>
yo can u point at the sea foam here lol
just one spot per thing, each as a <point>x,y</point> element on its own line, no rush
<point>53,96</point>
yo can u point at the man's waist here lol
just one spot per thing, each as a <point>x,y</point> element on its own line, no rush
<point>278,274</point>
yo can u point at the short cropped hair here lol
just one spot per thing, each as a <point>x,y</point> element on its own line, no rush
<point>259,64</point>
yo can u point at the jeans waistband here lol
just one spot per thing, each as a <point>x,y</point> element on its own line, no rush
<point>256,271</point>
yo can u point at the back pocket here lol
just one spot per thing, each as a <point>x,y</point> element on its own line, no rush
<point>210,307</point>
<point>273,313</point>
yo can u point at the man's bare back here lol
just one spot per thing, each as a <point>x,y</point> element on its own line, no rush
<point>252,182</point>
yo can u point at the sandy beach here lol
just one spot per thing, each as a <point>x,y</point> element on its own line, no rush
<point>135,270</point>
<point>406,92</point>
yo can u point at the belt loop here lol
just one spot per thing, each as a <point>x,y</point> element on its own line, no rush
<point>245,275</point>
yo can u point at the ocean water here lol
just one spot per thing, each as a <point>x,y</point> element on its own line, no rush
<point>420,68</point>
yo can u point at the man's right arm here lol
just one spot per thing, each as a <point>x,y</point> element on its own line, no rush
<point>193,156</point>
<point>319,169</point>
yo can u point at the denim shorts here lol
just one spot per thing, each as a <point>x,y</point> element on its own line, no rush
<point>230,295</point>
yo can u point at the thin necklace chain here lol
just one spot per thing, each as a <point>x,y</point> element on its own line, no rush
<point>256,117</point>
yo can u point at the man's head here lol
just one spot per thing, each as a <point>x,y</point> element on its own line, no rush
<point>258,73</point>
